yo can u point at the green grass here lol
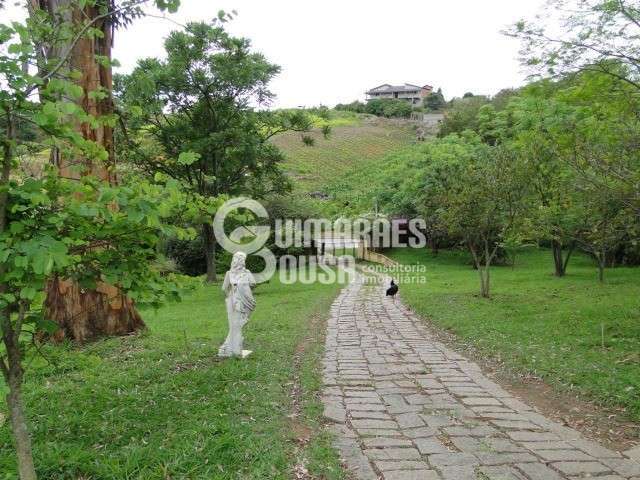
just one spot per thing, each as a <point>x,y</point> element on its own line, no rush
<point>538,323</point>
<point>161,404</point>
<point>336,119</point>
<point>354,143</point>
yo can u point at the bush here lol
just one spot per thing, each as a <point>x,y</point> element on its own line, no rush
<point>398,109</point>
<point>435,101</point>
<point>357,107</point>
<point>188,255</point>
<point>462,114</point>
<point>389,107</point>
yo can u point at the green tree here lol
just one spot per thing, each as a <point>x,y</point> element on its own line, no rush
<point>543,131</point>
<point>356,106</point>
<point>501,100</point>
<point>588,35</point>
<point>595,40</point>
<point>481,196</point>
<point>606,223</point>
<point>388,107</point>
<point>75,43</point>
<point>435,102</point>
<point>192,116</point>
<point>462,115</point>
<point>83,230</point>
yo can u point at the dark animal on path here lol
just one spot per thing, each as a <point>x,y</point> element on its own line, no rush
<point>392,290</point>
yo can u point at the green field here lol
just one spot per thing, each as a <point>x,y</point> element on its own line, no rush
<point>352,145</point>
<point>161,404</point>
<point>538,323</point>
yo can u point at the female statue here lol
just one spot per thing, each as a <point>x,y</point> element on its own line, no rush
<point>237,285</point>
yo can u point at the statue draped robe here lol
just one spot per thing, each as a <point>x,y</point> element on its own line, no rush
<point>240,303</point>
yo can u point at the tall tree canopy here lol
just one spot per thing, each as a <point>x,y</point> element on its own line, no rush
<point>584,35</point>
<point>195,117</point>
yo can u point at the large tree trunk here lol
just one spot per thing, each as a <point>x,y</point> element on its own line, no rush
<point>85,314</point>
<point>209,241</point>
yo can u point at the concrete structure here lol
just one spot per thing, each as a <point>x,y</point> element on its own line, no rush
<point>411,93</point>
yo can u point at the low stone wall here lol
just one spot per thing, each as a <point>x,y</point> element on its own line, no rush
<point>376,257</point>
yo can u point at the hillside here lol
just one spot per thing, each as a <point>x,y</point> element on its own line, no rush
<point>351,146</point>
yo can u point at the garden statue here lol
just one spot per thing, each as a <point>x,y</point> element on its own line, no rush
<point>237,285</point>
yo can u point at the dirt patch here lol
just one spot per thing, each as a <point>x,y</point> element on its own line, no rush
<point>608,426</point>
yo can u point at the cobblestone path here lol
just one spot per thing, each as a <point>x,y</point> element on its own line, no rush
<point>402,406</point>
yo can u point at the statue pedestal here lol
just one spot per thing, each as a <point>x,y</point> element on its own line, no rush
<point>244,354</point>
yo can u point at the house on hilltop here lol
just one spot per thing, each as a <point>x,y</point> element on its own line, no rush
<point>408,92</point>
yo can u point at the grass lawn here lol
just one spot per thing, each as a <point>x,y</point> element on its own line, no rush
<point>538,323</point>
<point>161,405</point>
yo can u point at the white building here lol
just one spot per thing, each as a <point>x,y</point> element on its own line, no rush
<point>411,93</point>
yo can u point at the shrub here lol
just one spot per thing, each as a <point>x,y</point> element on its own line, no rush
<point>357,107</point>
<point>435,101</point>
<point>389,107</point>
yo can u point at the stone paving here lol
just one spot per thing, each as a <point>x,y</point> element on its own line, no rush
<point>402,406</point>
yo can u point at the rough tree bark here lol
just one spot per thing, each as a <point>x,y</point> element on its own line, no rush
<point>84,314</point>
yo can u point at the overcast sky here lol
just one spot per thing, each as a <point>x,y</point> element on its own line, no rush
<point>332,51</point>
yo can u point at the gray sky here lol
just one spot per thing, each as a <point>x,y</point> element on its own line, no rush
<point>332,51</point>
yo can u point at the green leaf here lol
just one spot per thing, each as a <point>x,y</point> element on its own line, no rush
<point>46,325</point>
<point>68,108</point>
<point>16,228</point>
<point>8,297</point>
<point>188,158</point>
<point>42,263</point>
<point>28,293</point>
<point>75,91</point>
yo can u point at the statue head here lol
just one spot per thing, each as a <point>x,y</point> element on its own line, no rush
<point>237,263</point>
